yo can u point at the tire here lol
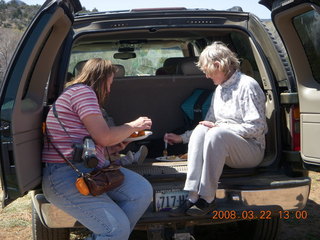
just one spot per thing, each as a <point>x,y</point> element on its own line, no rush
<point>260,229</point>
<point>40,232</point>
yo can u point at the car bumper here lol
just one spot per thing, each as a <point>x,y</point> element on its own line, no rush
<point>292,197</point>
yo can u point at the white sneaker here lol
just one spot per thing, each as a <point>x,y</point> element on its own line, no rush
<point>140,156</point>
<point>127,159</point>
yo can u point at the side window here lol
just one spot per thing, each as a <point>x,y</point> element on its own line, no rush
<point>243,49</point>
<point>138,59</point>
<point>307,26</point>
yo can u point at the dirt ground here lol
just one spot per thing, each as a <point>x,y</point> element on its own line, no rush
<point>15,219</point>
<point>309,228</point>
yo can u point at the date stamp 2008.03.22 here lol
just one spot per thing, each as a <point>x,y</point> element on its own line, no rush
<point>258,215</point>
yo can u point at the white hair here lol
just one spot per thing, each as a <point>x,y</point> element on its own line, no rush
<point>219,52</point>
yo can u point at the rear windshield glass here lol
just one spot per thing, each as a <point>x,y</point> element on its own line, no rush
<point>307,26</point>
<point>138,59</point>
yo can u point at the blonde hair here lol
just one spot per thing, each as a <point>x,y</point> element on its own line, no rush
<point>95,73</point>
<point>218,51</point>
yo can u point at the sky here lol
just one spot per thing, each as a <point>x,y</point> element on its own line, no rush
<point>105,5</point>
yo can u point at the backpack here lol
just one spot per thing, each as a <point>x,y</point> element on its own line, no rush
<point>196,106</point>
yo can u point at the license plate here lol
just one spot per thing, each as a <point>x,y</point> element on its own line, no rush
<point>167,200</point>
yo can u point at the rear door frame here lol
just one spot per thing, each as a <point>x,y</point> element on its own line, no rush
<point>22,96</point>
<point>283,15</point>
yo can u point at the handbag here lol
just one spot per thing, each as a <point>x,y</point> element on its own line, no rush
<point>100,180</point>
<point>104,179</point>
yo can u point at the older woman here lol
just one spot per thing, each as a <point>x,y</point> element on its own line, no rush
<point>111,215</point>
<point>232,134</point>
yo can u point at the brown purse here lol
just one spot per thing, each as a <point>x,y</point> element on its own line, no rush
<point>104,179</point>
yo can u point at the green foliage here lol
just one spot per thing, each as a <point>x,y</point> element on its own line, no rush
<point>16,14</point>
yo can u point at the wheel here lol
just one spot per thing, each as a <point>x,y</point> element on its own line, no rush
<point>263,229</point>
<point>40,232</point>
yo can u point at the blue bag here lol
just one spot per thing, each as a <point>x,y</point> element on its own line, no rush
<point>196,106</point>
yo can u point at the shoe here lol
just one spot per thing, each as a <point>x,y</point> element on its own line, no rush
<point>201,208</point>
<point>182,209</point>
<point>127,159</point>
<point>140,156</point>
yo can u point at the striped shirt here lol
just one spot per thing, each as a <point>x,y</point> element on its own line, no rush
<point>72,106</point>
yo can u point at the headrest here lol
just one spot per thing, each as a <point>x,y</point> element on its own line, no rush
<point>246,67</point>
<point>77,69</point>
<point>121,71</point>
<point>189,67</point>
<point>172,61</point>
<point>169,66</point>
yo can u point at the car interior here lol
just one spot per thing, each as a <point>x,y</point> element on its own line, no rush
<point>171,76</point>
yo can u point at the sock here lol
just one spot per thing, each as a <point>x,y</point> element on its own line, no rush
<point>208,199</point>
<point>193,197</point>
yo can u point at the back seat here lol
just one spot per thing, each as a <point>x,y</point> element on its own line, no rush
<point>158,97</point>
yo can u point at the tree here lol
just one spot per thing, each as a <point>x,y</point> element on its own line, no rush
<point>9,39</point>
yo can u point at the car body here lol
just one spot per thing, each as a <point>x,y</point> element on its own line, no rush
<point>140,41</point>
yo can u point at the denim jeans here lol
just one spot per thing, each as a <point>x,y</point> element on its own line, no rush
<point>111,215</point>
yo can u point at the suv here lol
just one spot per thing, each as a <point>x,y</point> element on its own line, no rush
<point>155,51</point>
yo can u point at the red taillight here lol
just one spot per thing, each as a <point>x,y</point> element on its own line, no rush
<point>295,115</point>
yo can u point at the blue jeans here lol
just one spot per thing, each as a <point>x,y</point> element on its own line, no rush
<point>111,215</point>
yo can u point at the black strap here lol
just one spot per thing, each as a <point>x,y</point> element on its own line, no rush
<point>55,113</point>
<point>67,161</point>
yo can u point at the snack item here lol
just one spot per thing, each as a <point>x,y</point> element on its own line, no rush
<point>141,133</point>
<point>172,157</point>
<point>134,134</point>
<point>137,134</point>
<point>183,156</point>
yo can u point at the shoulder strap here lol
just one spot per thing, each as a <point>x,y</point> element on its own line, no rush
<point>67,161</point>
<point>55,113</point>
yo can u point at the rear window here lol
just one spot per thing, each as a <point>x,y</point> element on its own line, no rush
<point>137,58</point>
<point>307,26</point>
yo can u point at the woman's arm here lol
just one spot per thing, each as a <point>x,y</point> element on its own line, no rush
<point>104,135</point>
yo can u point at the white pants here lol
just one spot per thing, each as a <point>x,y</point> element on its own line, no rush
<point>209,149</point>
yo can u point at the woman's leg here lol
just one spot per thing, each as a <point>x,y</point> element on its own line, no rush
<point>221,147</point>
<point>99,214</point>
<point>133,196</point>
<point>195,158</point>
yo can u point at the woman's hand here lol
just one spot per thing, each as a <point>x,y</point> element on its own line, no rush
<point>207,124</point>
<point>141,123</point>
<point>172,138</point>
